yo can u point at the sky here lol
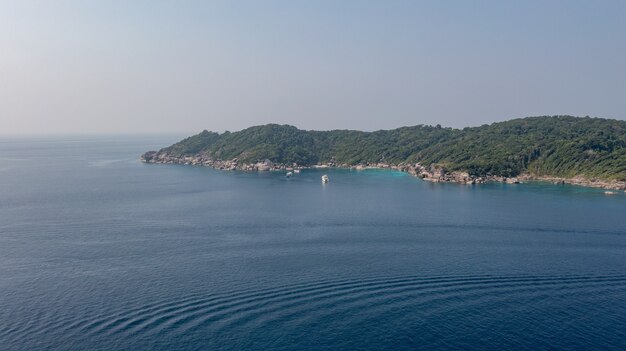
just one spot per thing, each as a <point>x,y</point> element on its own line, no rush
<point>131,66</point>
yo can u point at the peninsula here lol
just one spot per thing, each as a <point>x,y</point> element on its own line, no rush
<point>563,149</point>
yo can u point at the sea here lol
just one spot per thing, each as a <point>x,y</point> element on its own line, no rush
<point>99,251</point>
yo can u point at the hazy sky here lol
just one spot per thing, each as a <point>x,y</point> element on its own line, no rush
<point>183,66</point>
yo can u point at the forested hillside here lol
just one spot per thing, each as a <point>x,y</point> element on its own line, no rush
<point>562,146</point>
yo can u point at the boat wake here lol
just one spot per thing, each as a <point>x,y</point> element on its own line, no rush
<point>329,301</point>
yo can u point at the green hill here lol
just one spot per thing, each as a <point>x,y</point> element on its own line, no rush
<point>561,146</point>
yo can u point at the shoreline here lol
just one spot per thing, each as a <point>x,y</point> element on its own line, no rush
<point>580,181</point>
<point>432,173</point>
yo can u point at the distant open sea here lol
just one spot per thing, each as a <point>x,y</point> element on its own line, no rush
<point>101,252</point>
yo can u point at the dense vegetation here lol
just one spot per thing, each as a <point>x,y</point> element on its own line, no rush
<point>561,146</point>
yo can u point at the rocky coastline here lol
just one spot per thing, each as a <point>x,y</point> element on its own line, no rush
<point>431,173</point>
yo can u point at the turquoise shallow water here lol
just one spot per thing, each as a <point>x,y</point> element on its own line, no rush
<point>99,251</point>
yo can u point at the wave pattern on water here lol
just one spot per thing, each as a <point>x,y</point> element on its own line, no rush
<point>299,305</point>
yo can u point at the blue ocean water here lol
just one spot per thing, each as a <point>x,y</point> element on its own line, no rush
<point>101,252</point>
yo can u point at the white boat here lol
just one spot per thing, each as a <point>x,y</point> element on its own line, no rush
<point>325,178</point>
<point>296,171</point>
<point>289,174</point>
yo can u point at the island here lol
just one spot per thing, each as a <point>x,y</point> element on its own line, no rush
<point>562,149</point>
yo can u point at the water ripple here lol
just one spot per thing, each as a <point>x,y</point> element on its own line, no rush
<point>301,304</point>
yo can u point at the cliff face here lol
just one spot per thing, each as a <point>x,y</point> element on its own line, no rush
<point>559,146</point>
